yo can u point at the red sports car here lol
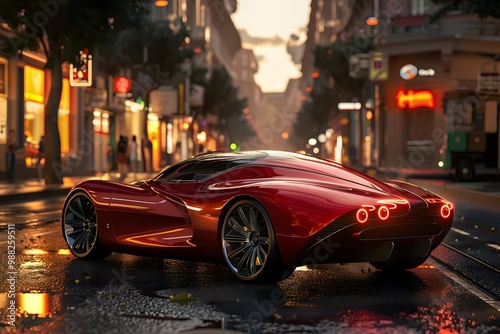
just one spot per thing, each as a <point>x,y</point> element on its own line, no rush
<point>260,212</point>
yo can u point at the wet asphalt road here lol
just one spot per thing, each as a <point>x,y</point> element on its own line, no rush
<point>54,292</point>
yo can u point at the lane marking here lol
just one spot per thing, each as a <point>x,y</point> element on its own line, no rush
<point>494,246</point>
<point>488,299</point>
<point>460,231</point>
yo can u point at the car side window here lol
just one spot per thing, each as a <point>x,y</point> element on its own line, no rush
<point>195,170</point>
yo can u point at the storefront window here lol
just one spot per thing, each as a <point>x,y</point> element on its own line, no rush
<point>64,109</point>
<point>34,126</point>
<point>3,101</point>
<point>100,123</point>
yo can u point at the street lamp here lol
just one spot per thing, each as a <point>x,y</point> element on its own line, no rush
<point>372,21</point>
<point>161,3</point>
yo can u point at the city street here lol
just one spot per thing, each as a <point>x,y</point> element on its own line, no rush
<point>455,291</point>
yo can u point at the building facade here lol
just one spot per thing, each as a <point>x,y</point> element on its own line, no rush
<point>422,61</point>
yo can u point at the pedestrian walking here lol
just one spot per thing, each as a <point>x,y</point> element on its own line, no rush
<point>134,156</point>
<point>10,155</point>
<point>122,157</point>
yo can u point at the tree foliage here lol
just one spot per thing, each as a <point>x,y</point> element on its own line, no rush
<point>221,99</point>
<point>159,46</point>
<point>333,85</point>
<point>62,28</point>
<point>481,8</point>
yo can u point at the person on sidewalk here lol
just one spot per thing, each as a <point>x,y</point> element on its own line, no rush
<point>10,155</point>
<point>134,157</point>
<point>122,157</point>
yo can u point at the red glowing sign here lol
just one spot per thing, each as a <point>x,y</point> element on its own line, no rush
<point>122,84</point>
<point>414,99</point>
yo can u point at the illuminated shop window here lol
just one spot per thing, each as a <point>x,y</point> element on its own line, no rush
<point>34,93</point>
<point>64,110</point>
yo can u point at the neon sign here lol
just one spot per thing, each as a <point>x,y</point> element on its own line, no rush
<point>415,99</point>
<point>82,76</point>
<point>122,85</point>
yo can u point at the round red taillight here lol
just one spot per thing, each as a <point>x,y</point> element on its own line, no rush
<point>445,211</point>
<point>383,212</point>
<point>362,215</point>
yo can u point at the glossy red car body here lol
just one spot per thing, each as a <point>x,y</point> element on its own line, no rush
<point>318,211</point>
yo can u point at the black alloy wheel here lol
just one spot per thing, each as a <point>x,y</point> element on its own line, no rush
<point>80,227</point>
<point>249,244</point>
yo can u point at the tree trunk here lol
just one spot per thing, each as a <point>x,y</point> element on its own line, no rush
<point>53,171</point>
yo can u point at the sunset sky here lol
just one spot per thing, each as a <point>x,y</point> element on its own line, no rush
<point>267,26</point>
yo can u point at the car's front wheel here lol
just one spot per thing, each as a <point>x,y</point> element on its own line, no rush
<point>249,244</point>
<point>80,227</point>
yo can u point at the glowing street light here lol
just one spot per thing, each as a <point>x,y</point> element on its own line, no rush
<point>372,21</point>
<point>161,3</point>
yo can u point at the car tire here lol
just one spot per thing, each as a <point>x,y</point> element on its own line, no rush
<point>81,229</point>
<point>249,244</point>
<point>400,264</point>
<point>464,170</point>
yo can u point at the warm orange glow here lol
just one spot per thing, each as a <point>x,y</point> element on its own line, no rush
<point>303,97</point>
<point>414,99</point>
<point>161,3</point>
<point>246,110</point>
<point>35,303</point>
<point>308,89</point>
<point>64,111</point>
<point>34,84</point>
<point>284,135</point>
<point>63,251</point>
<point>369,114</point>
<point>35,252</point>
<point>151,239</point>
<point>372,21</point>
<point>315,74</point>
<point>249,116</point>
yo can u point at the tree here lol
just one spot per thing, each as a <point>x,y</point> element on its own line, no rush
<point>158,46</point>
<point>481,8</point>
<point>333,85</point>
<point>62,29</point>
<point>221,99</point>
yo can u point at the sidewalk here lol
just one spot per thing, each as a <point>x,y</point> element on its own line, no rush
<point>33,188</point>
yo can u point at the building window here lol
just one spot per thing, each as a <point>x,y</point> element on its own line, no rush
<point>3,76</point>
<point>34,98</point>
<point>63,121</point>
<point>3,101</point>
<point>419,7</point>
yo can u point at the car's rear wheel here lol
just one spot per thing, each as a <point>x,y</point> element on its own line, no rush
<point>249,244</point>
<point>80,227</point>
<point>400,264</point>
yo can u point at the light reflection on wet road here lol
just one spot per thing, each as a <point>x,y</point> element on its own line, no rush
<point>130,294</point>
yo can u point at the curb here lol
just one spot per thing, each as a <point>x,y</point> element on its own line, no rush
<point>36,194</point>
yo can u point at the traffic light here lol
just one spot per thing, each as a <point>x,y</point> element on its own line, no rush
<point>234,147</point>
